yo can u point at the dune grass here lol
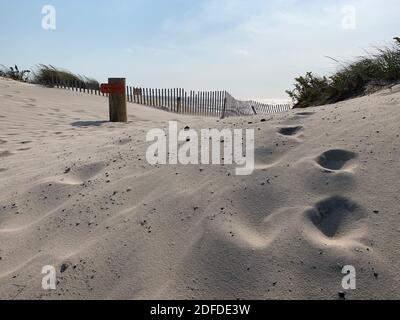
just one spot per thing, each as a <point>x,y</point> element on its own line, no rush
<point>48,75</point>
<point>352,79</point>
<point>14,73</point>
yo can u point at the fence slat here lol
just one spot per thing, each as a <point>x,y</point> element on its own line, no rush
<point>213,103</point>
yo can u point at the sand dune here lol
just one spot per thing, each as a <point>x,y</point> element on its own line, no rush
<point>77,192</point>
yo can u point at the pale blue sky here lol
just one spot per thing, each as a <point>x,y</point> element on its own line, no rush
<point>252,48</point>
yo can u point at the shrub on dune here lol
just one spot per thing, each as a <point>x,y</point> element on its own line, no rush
<point>353,79</point>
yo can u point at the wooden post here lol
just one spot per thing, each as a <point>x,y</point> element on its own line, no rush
<point>215,103</point>
<point>167,98</point>
<point>201,103</point>
<point>223,113</point>
<point>117,101</point>
<point>178,102</point>
<point>196,103</point>
<point>181,100</point>
<point>150,97</point>
<point>208,103</point>
<point>185,103</point>
<point>174,100</point>
<point>205,103</point>
<point>191,101</point>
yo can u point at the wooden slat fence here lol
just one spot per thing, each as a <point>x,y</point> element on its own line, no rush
<point>197,103</point>
<point>178,100</point>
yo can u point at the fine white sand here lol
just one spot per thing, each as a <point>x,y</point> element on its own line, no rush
<point>78,193</point>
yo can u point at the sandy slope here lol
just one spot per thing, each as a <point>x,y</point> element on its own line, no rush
<point>78,193</point>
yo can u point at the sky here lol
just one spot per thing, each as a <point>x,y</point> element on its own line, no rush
<point>251,48</point>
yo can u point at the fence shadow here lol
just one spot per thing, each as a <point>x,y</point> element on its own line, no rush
<point>80,124</point>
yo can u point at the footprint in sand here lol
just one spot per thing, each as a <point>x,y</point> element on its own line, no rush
<point>301,115</point>
<point>336,216</point>
<point>290,131</point>
<point>294,119</point>
<point>77,175</point>
<point>4,154</point>
<point>335,160</point>
<point>305,114</point>
<point>335,174</point>
<point>267,156</point>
